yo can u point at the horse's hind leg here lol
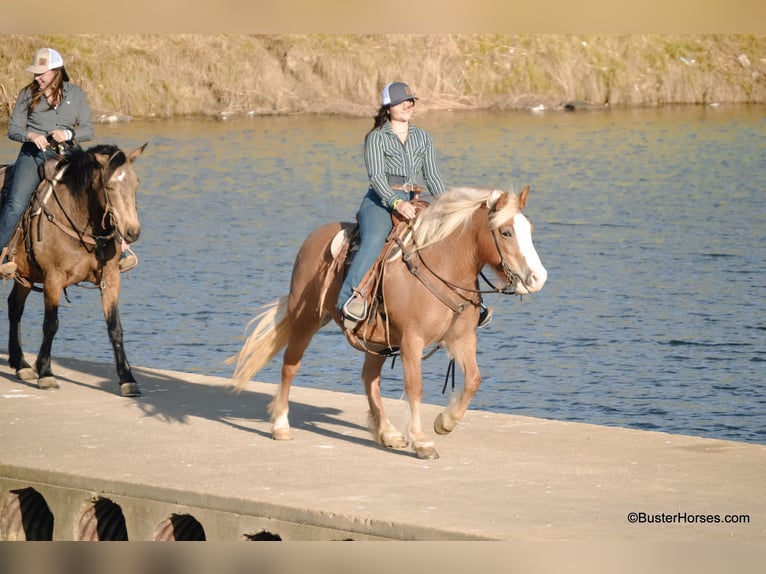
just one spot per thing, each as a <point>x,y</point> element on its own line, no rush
<point>381,428</point>
<point>109,304</point>
<point>16,300</point>
<point>302,329</point>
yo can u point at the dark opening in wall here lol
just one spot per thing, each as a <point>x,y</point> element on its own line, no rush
<point>263,535</point>
<point>103,520</point>
<point>25,516</point>
<point>180,527</point>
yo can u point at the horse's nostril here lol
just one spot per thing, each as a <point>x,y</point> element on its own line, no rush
<point>131,236</point>
<point>537,280</point>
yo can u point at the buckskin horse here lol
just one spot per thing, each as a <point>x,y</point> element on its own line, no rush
<point>428,296</point>
<point>71,234</point>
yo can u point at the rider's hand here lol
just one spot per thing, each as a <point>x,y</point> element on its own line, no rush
<point>40,140</point>
<point>59,135</point>
<point>405,209</point>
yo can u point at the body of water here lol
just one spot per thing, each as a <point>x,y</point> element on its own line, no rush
<point>651,223</point>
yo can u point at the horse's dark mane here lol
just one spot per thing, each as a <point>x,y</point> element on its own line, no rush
<point>82,165</point>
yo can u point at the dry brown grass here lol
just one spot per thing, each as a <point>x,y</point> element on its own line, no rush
<point>144,76</point>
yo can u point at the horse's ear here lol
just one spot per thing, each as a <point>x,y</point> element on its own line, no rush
<point>494,199</point>
<point>523,197</point>
<point>136,152</point>
<point>115,161</point>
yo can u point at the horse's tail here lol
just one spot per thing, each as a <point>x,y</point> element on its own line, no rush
<point>266,339</point>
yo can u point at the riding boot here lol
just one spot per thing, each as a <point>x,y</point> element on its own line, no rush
<point>7,268</point>
<point>485,315</point>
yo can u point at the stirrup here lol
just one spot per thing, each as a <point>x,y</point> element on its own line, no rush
<point>7,268</point>
<point>128,260</point>
<point>355,309</point>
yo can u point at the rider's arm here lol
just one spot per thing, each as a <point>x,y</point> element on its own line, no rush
<point>375,161</point>
<point>18,130</point>
<point>430,170</point>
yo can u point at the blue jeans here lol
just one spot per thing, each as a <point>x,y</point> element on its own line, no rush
<point>26,178</point>
<point>374,226</point>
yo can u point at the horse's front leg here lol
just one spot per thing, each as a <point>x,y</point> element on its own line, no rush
<point>384,432</point>
<point>421,443</point>
<point>16,301</point>
<point>110,294</point>
<point>52,298</point>
<point>465,357</point>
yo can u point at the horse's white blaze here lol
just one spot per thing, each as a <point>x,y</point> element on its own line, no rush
<point>536,275</point>
<point>121,176</point>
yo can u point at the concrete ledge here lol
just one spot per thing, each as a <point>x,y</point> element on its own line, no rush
<point>192,449</point>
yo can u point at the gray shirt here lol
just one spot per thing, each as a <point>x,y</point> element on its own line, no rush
<point>73,113</point>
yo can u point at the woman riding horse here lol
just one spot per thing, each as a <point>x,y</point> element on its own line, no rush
<point>51,116</point>
<point>430,298</point>
<point>395,151</point>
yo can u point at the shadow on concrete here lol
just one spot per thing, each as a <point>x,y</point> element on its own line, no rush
<point>175,399</point>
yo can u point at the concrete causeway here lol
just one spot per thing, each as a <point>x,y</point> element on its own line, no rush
<point>191,449</point>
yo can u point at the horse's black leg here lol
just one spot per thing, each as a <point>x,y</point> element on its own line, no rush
<point>16,300</point>
<point>128,384</point>
<point>45,377</point>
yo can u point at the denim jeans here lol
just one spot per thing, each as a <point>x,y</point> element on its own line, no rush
<point>374,226</point>
<point>26,178</point>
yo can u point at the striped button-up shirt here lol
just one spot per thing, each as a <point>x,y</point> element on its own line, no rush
<point>385,155</point>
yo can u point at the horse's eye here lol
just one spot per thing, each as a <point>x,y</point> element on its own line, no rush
<point>507,233</point>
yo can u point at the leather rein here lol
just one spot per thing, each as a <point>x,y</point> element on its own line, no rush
<point>86,239</point>
<point>70,228</point>
<point>456,307</point>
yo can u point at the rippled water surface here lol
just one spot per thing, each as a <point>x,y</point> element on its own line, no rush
<point>651,223</point>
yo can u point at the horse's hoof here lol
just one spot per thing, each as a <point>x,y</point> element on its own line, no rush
<point>47,383</point>
<point>130,390</point>
<point>427,453</point>
<point>26,374</point>
<point>393,440</point>
<point>440,427</point>
<point>281,434</point>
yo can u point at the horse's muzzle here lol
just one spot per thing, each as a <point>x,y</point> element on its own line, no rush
<point>533,282</point>
<point>131,235</point>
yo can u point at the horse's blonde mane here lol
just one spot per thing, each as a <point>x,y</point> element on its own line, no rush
<point>454,209</point>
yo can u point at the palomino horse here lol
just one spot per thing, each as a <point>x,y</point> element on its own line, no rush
<point>70,234</point>
<point>428,297</point>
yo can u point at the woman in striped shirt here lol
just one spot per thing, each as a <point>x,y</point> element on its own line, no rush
<point>396,152</point>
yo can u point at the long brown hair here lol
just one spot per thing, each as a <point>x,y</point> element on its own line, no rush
<point>381,117</point>
<point>57,87</point>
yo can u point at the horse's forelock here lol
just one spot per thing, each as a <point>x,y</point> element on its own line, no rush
<point>504,208</point>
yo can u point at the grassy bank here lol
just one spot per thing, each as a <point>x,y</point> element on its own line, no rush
<point>143,76</point>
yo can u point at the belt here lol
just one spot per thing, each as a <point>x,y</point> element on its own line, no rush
<point>397,182</point>
<point>408,187</point>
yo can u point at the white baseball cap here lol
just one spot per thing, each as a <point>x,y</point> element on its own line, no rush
<point>45,59</point>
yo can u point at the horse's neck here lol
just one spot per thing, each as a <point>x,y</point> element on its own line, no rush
<point>75,207</point>
<point>455,258</point>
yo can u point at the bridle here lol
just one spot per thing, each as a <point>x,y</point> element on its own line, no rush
<point>107,219</point>
<point>510,276</point>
